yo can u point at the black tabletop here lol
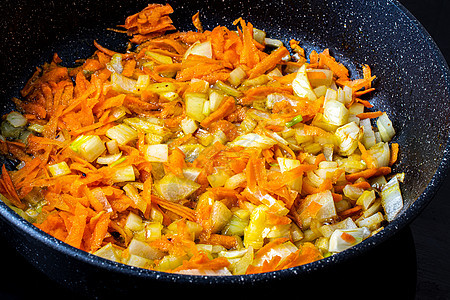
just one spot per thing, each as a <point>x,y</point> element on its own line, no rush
<point>415,263</point>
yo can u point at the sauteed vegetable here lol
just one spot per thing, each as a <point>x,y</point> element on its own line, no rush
<point>204,152</point>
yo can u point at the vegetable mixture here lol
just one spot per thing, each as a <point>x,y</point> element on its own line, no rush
<point>203,152</point>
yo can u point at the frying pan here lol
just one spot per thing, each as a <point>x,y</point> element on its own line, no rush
<point>412,86</point>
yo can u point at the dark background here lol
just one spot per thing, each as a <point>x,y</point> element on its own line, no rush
<point>415,263</point>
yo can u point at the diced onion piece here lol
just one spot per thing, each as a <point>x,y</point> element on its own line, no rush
<point>302,87</point>
<point>200,49</point>
<point>220,215</point>
<point>218,178</point>
<point>236,225</point>
<point>215,99</point>
<point>385,128</point>
<point>120,111</point>
<point>348,94</point>
<point>342,239</point>
<point>144,250</point>
<point>324,201</point>
<point>320,91</point>
<point>174,188</point>
<point>159,58</point>
<point>253,140</point>
<point>153,139</point>
<point>335,112</point>
<point>259,35</point>
<point>248,125</point>
<point>352,192</point>
<point>348,136</point>
<point>283,251</point>
<point>134,222</point>
<point>372,222</point>
<point>328,229</point>
<point>142,82</point>
<point>188,125</point>
<point>112,146</point>
<point>391,198</point>
<point>124,174</point>
<point>122,133</point>
<point>356,108</point>
<point>133,193</point>
<point>16,119</point>
<point>206,109</point>
<point>253,236</point>
<point>36,128</point>
<point>325,77</point>
<point>169,96</point>
<point>273,42</point>
<point>88,146</point>
<point>380,154</point>
<point>153,231</point>
<point>162,87</point>
<point>368,138</point>
<point>227,89</point>
<point>191,173</point>
<point>147,127</point>
<point>111,252</point>
<point>122,84</point>
<point>237,76</point>
<point>287,164</point>
<point>108,159</point>
<point>240,267</point>
<point>59,169</point>
<point>115,64</point>
<point>157,153</point>
<point>366,199</point>
<point>331,95</point>
<point>235,181</point>
<point>194,106</point>
<point>260,80</point>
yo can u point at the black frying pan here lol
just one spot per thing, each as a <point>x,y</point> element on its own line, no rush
<point>412,86</point>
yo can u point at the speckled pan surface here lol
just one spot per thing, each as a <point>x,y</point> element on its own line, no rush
<point>412,86</point>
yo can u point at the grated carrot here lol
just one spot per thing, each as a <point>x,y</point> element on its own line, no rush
<point>233,165</point>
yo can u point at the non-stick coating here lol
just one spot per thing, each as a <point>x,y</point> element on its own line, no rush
<point>412,86</point>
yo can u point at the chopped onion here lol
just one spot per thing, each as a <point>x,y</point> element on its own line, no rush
<point>302,87</point>
<point>348,136</point>
<point>326,78</point>
<point>253,140</point>
<point>342,239</point>
<point>59,169</point>
<point>380,154</point>
<point>89,147</point>
<point>124,174</point>
<point>200,49</point>
<point>368,138</point>
<point>237,76</point>
<point>16,119</point>
<point>174,188</point>
<point>335,113</point>
<point>391,198</point>
<point>194,106</point>
<point>122,133</point>
<point>108,159</point>
<point>156,153</point>
<point>188,125</point>
<point>385,128</point>
<point>115,64</point>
